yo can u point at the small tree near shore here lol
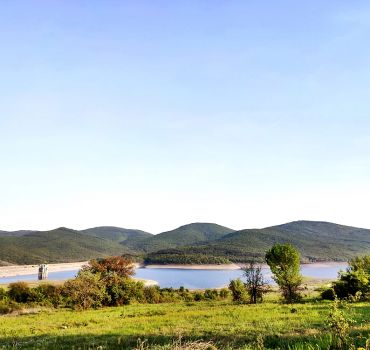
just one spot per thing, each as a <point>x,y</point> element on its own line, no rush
<point>238,291</point>
<point>254,282</point>
<point>284,262</point>
<point>115,265</point>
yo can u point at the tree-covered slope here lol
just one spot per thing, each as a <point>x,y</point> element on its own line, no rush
<point>315,241</point>
<point>127,237</point>
<point>182,236</point>
<point>197,243</point>
<point>60,245</point>
<point>15,233</point>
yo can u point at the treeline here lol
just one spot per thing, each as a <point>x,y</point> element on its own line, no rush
<point>104,282</point>
<point>175,256</point>
<point>203,254</point>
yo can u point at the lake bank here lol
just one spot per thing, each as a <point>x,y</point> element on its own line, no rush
<point>17,270</point>
<point>194,267</point>
<point>175,276</point>
<point>31,270</point>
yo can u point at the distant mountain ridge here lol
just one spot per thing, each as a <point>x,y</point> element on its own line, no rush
<point>198,242</point>
<point>184,235</point>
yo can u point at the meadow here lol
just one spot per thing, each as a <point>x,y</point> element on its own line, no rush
<point>271,325</point>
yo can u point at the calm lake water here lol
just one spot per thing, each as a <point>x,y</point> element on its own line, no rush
<point>193,279</point>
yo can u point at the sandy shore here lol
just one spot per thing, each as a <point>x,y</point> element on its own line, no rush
<point>19,270</point>
<point>195,267</point>
<point>16,270</point>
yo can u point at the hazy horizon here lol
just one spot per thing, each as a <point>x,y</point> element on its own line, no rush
<point>153,115</point>
<point>173,228</point>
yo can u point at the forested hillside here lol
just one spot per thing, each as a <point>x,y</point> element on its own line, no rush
<point>197,243</point>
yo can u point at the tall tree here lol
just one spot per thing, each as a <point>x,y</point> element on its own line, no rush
<point>284,262</point>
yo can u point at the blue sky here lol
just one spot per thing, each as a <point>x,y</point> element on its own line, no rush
<point>153,114</point>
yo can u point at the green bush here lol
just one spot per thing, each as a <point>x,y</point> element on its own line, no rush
<point>185,294</point>
<point>19,292</point>
<point>123,291</point>
<point>47,294</point>
<point>355,281</point>
<point>86,291</point>
<point>152,295</point>
<point>224,293</point>
<point>328,294</point>
<point>210,294</point>
<point>7,307</point>
<point>238,291</point>
<point>3,294</point>
<point>198,296</point>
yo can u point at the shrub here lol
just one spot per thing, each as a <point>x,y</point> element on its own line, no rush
<point>224,293</point>
<point>185,294</point>
<point>339,323</point>
<point>152,294</point>
<point>198,296</point>
<point>170,295</point>
<point>19,292</point>
<point>211,294</point>
<point>355,281</point>
<point>350,283</point>
<point>3,294</point>
<point>328,294</point>
<point>86,291</point>
<point>123,291</point>
<point>47,294</point>
<point>238,291</point>
<point>7,307</point>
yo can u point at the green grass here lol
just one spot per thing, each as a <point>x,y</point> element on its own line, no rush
<point>227,325</point>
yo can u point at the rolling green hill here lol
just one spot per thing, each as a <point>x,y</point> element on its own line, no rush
<point>315,241</point>
<point>183,236</point>
<point>60,245</point>
<point>15,233</point>
<point>193,243</point>
<point>126,237</point>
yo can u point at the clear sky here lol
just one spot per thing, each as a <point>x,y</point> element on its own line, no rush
<point>153,114</point>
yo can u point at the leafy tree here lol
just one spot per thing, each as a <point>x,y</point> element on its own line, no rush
<point>118,265</point>
<point>255,282</point>
<point>284,262</point>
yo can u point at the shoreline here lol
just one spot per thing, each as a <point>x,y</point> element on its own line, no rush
<point>232,266</point>
<point>16,270</point>
<point>22,270</point>
<point>193,267</point>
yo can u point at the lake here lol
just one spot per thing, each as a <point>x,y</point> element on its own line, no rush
<point>193,279</point>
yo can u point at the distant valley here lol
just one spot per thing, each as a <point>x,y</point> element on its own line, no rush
<point>196,243</point>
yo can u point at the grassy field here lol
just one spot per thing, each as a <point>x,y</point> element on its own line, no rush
<point>226,325</point>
